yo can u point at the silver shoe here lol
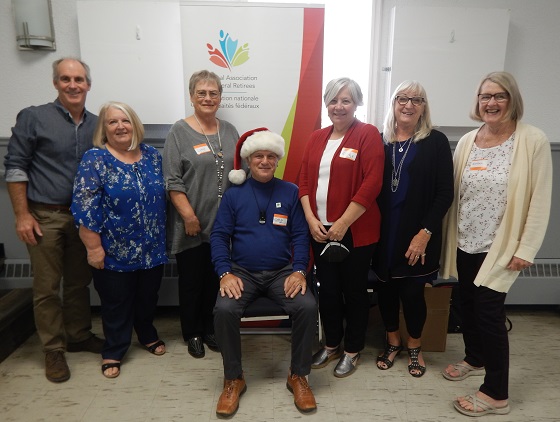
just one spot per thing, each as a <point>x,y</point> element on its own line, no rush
<point>346,366</point>
<point>323,357</point>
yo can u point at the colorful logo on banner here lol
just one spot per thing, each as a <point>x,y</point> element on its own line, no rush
<point>229,55</point>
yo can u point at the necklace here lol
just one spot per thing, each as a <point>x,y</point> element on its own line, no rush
<point>397,170</point>
<point>498,138</point>
<point>218,157</point>
<point>262,213</point>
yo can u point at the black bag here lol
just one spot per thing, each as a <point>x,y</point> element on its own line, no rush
<point>455,324</point>
<point>455,321</point>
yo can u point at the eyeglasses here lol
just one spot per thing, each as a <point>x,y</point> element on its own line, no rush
<point>500,97</point>
<point>403,100</point>
<point>203,94</point>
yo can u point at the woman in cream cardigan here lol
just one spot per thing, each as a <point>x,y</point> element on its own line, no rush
<point>494,229</point>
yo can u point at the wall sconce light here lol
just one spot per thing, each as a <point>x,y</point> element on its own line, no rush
<point>34,24</point>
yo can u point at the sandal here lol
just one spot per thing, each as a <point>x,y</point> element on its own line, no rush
<point>106,366</point>
<point>384,358</point>
<point>485,407</point>
<point>414,363</point>
<point>465,370</point>
<point>153,348</point>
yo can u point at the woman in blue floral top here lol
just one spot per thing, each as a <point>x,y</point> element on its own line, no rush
<point>119,204</point>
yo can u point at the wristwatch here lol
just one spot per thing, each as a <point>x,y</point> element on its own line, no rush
<point>303,273</point>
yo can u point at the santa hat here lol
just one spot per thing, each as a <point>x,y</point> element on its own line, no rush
<point>260,139</point>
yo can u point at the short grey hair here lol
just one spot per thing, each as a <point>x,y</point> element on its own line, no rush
<point>84,65</point>
<point>333,88</point>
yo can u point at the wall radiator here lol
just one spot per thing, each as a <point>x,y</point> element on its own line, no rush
<point>537,285</point>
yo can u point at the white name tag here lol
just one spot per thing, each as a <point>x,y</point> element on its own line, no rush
<point>478,165</point>
<point>280,220</point>
<point>201,149</point>
<point>349,153</point>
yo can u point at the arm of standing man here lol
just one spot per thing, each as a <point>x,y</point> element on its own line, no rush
<point>26,225</point>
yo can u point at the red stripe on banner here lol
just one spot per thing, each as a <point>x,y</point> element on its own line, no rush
<point>308,107</point>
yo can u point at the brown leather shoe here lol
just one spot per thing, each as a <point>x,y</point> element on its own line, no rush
<point>228,403</point>
<point>56,368</point>
<point>303,396</point>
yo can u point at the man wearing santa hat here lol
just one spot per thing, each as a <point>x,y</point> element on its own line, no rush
<point>260,247</point>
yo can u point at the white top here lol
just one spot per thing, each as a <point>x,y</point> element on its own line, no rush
<point>324,178</point>
<point>483,196</point>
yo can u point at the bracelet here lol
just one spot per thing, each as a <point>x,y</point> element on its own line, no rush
<point>224,274</point>
<point>303,273</point>
<point>427,231</point>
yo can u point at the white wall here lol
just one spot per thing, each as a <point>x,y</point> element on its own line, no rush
<point>532,56</point>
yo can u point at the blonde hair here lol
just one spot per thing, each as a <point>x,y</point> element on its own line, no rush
<point>508,83</point>
<point>100,134</point>
<point>423,127</point>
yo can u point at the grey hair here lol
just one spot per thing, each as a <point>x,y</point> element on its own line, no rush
<point>84,65</point>
<point>333,88</point>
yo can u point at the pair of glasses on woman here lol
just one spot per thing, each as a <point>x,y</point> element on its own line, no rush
<point>500,97</point>
<point>203,94</point>
<point>403,100</point>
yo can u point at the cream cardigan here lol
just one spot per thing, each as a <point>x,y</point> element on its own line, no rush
<point>525,219</point>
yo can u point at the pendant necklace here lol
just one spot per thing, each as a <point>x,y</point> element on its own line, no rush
<point>262,213</point>
<point>218,156</point>
<point>397,170</point>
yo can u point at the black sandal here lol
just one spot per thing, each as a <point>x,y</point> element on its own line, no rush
<point>106,366</point>
<point>153,348</point>
<point>384,358</point>
<point>414,363</point>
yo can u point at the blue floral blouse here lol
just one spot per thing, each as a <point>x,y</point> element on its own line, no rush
<point>125,204</point>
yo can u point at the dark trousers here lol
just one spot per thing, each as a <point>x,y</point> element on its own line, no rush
<point>128,300</point>
<point>228,312</point>
<point>409,291</point>
<point>198,286</point>
<point>484,327</point>
<point>343,295</point>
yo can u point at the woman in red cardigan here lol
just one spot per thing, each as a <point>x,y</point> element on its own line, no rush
<point>341,176</point>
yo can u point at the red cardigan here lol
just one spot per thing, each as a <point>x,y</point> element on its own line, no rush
<point>356,180</point>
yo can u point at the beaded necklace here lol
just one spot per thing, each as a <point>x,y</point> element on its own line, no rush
<point>218,157</point>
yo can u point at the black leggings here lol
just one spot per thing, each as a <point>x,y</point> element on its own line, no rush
<point>409,291</point>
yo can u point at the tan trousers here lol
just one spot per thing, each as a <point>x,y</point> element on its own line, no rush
<point>61,276</point>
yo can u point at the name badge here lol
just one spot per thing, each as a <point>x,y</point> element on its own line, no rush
<point>349,153</point>
<point>479,164</point>
<point>201,149</point>
<point>280,220</point>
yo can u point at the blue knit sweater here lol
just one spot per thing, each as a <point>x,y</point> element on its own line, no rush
<point>282,239</point>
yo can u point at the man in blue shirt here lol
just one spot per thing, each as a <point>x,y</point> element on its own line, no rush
<point>44,151</point>
<point>260,247</point>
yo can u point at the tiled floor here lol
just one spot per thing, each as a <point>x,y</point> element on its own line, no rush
<point>176,387</point>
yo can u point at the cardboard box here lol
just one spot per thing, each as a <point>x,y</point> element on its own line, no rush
<point>434,335</point>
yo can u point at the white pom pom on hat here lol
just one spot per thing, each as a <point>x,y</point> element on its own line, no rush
<point>260,139</point>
